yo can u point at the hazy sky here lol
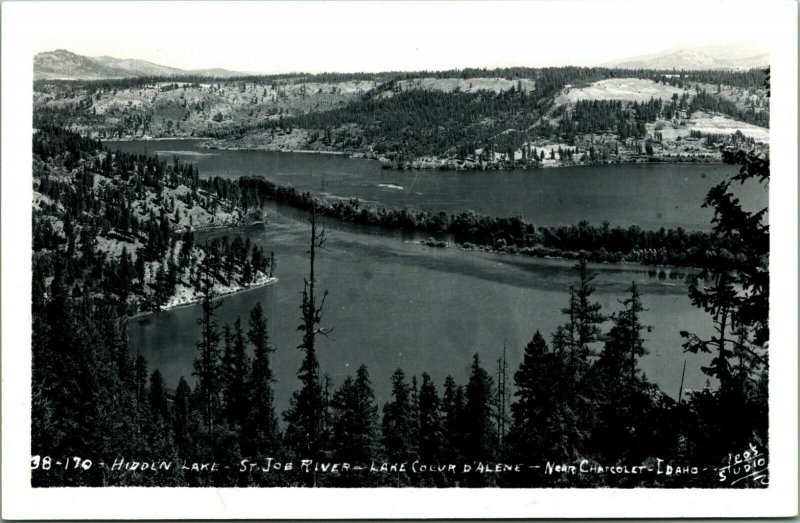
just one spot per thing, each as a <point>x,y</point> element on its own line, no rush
<point>360,36</point>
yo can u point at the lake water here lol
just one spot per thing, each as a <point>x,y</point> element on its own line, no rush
<point>647,195</point>
<point>396,303</point>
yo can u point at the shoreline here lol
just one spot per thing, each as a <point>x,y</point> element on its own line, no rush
<point>507,252</point>
<point>390,166</point>
<point>208,144</point>
<point>441,244</point>
<point>149,138</point>
<point>212,147</point>
<point>195,301</point>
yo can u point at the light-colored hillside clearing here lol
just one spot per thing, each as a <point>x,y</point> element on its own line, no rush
<point>712,124</point>
<point>629,89</point>
<point>112,247</point>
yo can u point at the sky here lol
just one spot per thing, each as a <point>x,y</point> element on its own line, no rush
<point>275,37</point>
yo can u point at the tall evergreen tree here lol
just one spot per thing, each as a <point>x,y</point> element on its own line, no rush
<point>621,399</point>
<point>431,430</point>
<point>398,423</point>
<point>183,420</point>
<point>261,434</point>
<point>587,317</point>
<point>305,414</point>
<point>235,371</point>
<point>531,412</point>
<point>414,415</point>
<point>502,401</point>
<point>480,436</point>
<point>355,427</point>
<point>735,293</point>
<point>159,432</point>
<point>455,424</point>
<point>207,364</point>
<point>624,344</point>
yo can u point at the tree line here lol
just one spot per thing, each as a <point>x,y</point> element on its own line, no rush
<point>553,78</point>
<point>604,243</point>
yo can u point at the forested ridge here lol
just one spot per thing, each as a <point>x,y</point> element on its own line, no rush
<point>578,397</point>
<point>508,119</point>
<point>551,78</point>
<point>122,226</point>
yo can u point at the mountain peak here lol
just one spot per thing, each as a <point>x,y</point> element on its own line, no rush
<point>733,56</point>
<point>61,64</point>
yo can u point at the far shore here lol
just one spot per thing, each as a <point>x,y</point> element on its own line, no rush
<point>149,138</point>
<point>425,165</point>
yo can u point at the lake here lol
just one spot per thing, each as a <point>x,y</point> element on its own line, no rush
<point>648,195</point>
<point>396,303</point>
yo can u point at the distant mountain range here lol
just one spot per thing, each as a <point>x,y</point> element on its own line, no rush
<point>744,56</point>
<point>65,65</point>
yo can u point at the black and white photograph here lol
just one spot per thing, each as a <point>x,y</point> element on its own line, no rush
<point>500,257</point>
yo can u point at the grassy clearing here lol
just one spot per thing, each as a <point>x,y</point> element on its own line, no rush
<point>712,124</point>
<point>628,89</point>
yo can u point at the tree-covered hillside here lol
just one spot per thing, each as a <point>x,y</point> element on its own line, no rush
<point>122,226</point>
<point>472,118</point>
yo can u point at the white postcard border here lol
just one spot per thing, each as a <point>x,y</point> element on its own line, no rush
<point>20,500</point>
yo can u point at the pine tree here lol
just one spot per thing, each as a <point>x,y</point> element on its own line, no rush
<point>619,392</point>
<point>355,427</point>
<point>630,328</point>
<point>183,424</point>
<point>431,429</point>
<point>235,371</point>
<point>159,433</point>
<point>740,231</point>
<point>261,436</point>
<point>480,436</point>
<point>735,293</point>
<point>501,401</point>
<point>158,396</point>
<point>207,365</point>
<point>453,412</point>
<point>305,415</point>
<point>583,326</point>
<point>588,317</point>
<point>414,415</point>
<point>534,409</point>
<point>397,425</point>
<point>140,387</point>
<point>138,266</point>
